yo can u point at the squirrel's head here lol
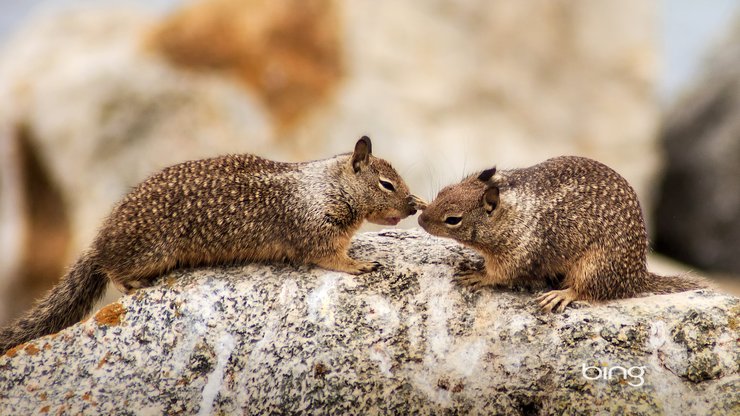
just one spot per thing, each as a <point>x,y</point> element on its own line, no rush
<point>467,211</point>
<point>384,191</point>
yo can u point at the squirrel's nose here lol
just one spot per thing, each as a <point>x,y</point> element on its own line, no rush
<point>410,205</point>
<point>415,203</point>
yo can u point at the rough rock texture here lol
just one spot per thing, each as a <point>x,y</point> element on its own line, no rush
<point>109,95</point>
<point>698,210</point>
<point>404,340</point>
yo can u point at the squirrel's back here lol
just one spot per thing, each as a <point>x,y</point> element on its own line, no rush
<point>577,203</point>
<point>196,211</point>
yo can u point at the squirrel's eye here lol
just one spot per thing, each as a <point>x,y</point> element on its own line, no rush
<point>453,220</point>
<point>387,185</point>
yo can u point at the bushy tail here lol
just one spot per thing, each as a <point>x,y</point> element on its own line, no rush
<point>65,304</point>
<point>658,284</point>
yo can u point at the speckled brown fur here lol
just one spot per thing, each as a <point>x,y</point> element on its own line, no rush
<point>568,219</point>
<point>225,210</point>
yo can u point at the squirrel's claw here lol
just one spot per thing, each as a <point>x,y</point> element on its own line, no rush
<point>463,274</point>
<point>556,300</point>
<point>469,278</point>
<point>369,266</point>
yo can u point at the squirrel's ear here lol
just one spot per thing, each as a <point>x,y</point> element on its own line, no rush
<point>361,155</point>
<point>487,174</point>
<point>490,199</point>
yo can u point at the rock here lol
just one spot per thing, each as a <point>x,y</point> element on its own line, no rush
<point>287,51</point>
<point>405,340</point>
<point>698,210</point>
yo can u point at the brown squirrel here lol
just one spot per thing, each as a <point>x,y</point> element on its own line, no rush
<point>225,210</point>
<point>568,219</point>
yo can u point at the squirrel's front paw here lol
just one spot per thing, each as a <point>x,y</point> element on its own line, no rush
<point>366,267</point>
<point>348,265</point>
<point>470,278</point>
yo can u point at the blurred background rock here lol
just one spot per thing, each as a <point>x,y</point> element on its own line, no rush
<point>697,216</point>
<point>96,95</point>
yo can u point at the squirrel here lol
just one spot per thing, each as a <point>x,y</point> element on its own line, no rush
<point>569,220</point>
<point>225,210</point>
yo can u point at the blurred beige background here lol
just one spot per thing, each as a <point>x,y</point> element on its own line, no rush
<point>97,95</point>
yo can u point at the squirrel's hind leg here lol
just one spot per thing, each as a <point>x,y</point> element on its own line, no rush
<point>129,286</point>
<point>587,275</point>
<point>129,282</point>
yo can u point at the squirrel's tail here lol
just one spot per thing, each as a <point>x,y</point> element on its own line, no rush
<point>65,304</point>
<point>657,284</point>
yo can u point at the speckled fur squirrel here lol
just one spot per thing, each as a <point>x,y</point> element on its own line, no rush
<point>229,209</point>
<point>568,219</point>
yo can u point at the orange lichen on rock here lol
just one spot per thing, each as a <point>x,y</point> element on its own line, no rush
<point>287,51</point>
<point>110,315</point>
<point>31,349</point>
<point>14,351</point>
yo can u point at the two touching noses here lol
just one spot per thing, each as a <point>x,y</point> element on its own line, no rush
<point>417,204</point>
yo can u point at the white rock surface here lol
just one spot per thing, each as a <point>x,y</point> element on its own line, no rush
<point>405,340</point>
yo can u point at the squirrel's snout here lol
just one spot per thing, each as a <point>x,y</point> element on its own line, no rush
<point>423,220</point>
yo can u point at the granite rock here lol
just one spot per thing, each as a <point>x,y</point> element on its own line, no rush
<point>259,339</point>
